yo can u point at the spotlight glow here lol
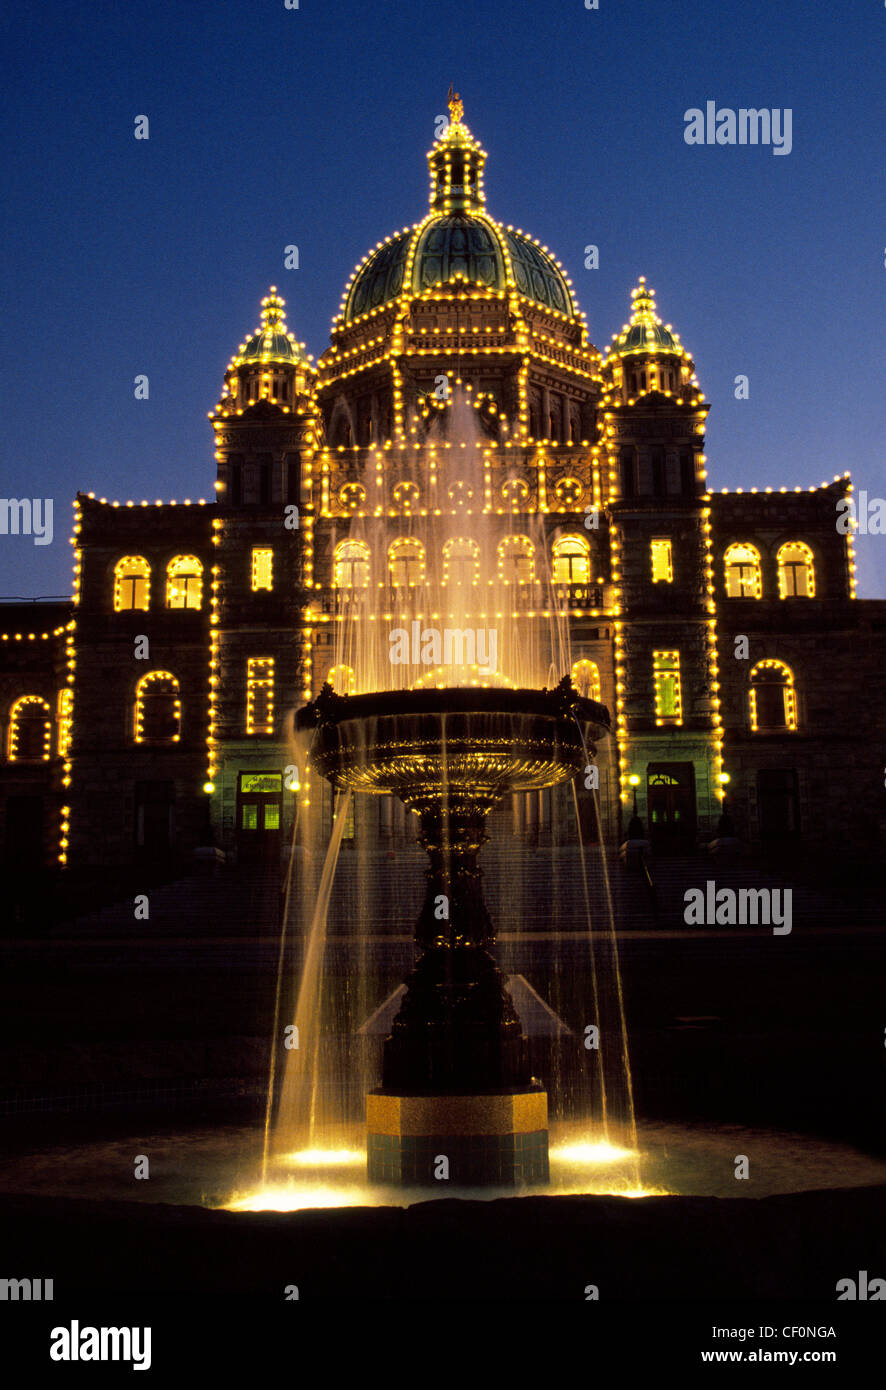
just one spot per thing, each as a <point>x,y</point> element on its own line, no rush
<point>325,1158</point>
<point>600,1151</point>
<point>293,1198</point>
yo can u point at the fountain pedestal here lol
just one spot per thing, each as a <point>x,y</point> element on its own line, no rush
<point>457,1099</point>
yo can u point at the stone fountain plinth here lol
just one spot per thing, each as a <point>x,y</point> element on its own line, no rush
<point>456,1083</point>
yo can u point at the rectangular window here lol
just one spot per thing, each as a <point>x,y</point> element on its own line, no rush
<point>668,694</point>
<point>662,562</point>
<point>260,695</point>
<point>262,569</point>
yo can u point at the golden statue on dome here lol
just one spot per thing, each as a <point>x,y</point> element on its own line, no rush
<point>456,106</point>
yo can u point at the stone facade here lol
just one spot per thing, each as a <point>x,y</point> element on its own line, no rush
<point>596,529</point>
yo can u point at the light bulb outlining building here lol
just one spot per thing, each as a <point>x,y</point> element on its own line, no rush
<point>150,716</point>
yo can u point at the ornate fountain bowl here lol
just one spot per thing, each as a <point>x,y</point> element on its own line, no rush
<point>467,746</point>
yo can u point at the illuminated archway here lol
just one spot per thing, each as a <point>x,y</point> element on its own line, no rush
<point>158,708</point>
<point>743,572</point>
<point>772,697</point>
<point>30,730</point>
<point>796,571</point>
<point>184,582</point>
<point>516,560</point>
<point>132,583</point>
<point>572,560</point>
<point>586,679</point>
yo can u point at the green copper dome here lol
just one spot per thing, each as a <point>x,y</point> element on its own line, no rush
<point>645,332</point>
<point>459,247</point>
<point>272,342</point>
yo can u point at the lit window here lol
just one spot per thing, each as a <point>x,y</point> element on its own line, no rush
<point>351,565</point>
<point>744,578</point>
<point>668,694</point>
<point>662,562</point>
<point>30,730</point>
<point>406,562</point>
<point>572,564</point>
<point>184,582</point>
<point>516,560</point>
<point>260,695</point>
<point>65,720</point>
<point>773,699</point>
<point>132,583</point>
<point>796,572</point>
<point>157,708</point>
<point>262,569</point>
<point>586,679</point>
<point>342,680</point>
<point>461,561</point>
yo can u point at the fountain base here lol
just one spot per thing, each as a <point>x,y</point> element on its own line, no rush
<point>498,1137</point>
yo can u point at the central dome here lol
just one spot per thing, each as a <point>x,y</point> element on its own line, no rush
<point>459,248</point>
<point>458,245</point>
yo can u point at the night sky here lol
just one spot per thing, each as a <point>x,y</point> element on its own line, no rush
<point>271,126</point>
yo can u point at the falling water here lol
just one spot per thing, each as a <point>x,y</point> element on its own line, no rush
<point>297,1114</point>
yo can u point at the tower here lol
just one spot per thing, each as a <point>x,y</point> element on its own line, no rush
<point>653,418</point>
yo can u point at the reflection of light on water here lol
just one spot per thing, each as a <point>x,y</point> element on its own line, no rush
<point>325,1158</point>
<point>294,1198</point>
<point>600,1152</point>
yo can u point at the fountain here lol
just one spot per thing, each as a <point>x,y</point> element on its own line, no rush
<point>456,1086</point>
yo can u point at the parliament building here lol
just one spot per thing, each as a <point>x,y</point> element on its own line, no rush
<point>150,716</point>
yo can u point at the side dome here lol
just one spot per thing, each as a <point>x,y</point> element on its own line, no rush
<point>272,342</point>
<point>645,332</point>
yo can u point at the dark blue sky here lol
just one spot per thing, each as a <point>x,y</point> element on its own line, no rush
<point>271,126</point>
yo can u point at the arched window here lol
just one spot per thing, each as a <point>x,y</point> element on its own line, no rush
<point>184,582</point>
<point>796,571</point>
<point>572,563</point>
<point>744,577</point>
<point>351,565</point>
<point>461,561</point>
<point>158,709</point>
<point>406,562</point>
<point>342,680</point>
<point>773,699</point>
<point>516,560</point>
<point>30,730</point>
<point>132,583</point>
<point>586,679</point>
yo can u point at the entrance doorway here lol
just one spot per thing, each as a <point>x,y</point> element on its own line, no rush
<point>670,797</point>
<point>154,821</point>
<point>25,832</point>
<point>777,804</point>
<point>259,817</point>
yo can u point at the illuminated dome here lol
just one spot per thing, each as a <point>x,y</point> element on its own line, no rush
<point>458,243</point>
<point>645,332</point>
<point>272,342</point>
